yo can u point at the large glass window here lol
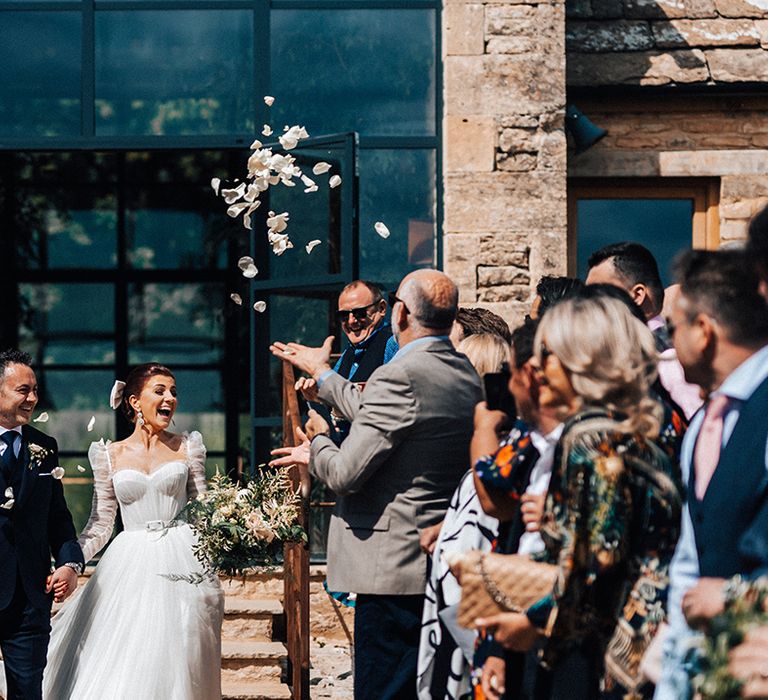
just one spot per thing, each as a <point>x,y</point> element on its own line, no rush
<point>40,54</point>
<point>174,72</point>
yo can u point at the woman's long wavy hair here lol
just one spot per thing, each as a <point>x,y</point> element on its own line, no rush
<point>610,356</point>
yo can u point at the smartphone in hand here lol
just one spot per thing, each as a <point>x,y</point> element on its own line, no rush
<point>497,395</point>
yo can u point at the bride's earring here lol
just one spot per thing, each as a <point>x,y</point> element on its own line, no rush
<point>139,417</point>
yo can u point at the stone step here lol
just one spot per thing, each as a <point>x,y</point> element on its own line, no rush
<point>252,662</point>
<point>250,619</point>
<point>255,691</point>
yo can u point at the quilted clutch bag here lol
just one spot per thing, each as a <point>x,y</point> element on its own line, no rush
<point>494,583</point>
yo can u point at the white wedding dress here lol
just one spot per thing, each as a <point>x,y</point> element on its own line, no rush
<point>147,626</point>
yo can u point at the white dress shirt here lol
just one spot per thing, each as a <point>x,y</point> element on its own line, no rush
<point>16,443</point>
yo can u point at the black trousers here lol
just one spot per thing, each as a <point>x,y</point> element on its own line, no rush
<point>387,631</point>
<point>24,634</point>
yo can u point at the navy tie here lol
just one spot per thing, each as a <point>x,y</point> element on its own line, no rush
<point>9,456</point>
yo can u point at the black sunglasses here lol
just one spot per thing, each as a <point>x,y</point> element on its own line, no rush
<point>360,313</point>
<point>393,299</point>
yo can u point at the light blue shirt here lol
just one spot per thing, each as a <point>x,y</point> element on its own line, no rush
<point>684,569</point>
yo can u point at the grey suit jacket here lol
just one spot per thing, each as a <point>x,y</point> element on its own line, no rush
<point>394,474</point>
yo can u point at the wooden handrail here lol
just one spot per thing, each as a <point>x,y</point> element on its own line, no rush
<point>296,566</point>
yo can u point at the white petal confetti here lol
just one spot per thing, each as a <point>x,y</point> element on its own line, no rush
<point>267,130</point>
<point>80,468</point>
<point>9,492</point>
<point>260,306</point>
<point>311,245</point>
<point>8,504</point>
<point>232,195</point>
<point>335,181</point>
<point>42,418</point>
<point>308,181</point>
<point>245,262</point>
<point>381,229</point>
<point>236,298</point>
<point>277,223</point>
<point>215,182</point>
<point>57,472</point>
<point>313,188</point>
<point>250,272</point>
<point>291,138</point>
<point>91,423</point>
<point>236,209</point>
<point>255,145</point>
<point>321,167</point>
<point>269,100</point>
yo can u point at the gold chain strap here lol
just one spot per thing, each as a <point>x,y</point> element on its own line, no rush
<point>498,597</point>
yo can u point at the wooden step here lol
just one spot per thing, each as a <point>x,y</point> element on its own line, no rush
<point>252,662</point>
<point>255,691</point>
<point>250,619</point>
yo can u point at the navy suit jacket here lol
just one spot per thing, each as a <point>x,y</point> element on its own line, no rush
<point>38,526</point>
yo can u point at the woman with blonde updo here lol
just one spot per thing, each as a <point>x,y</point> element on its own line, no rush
<point>612,503</point>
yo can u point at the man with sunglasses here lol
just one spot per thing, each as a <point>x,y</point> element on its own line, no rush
<point>361,314</point>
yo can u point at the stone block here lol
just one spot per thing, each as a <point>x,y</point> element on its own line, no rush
<point>504,84</point>
<point>682,33</point>
<point>725,140</point>
<point>669,9</point>
<point>762,28</point>
<point>505,201</point>
<point>734,187</point>
<point>735,66</point>
<point>463,29</point>
<point>504,293</point>
<point>641,68</point>
<point>504,250</point>
<point>469,143</point>
<point>736,210</point>
<point>759,140</point>
<point>498,276</point>
<point>516,140</point>
<point>553,151</point>
<point>519,121</point>
<point>608,36</point>
<point>742,8</point>
<point>517,163</point>
<point>733,229</point>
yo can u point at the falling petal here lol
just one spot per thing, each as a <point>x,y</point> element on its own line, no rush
<point>381,229</point>
<point>335,181</point>
<point>267,130</point>
<point>91,423</point>
<point>311,189</point>
<point>251,271</point>
<point>9,492</point>
<point>215,182</point>
<point>260,306</point>
<point>237,209</point>
<point>236,298</point>
<point>256,145</point>
<point>320,168</point>
<point>291,138</point>
<point>269,100</point>
<point>308,181</point>
<point>232,195</point>
<point>311,245</point>
<point>42,418</point>
<point>244,262</point>
<point>80,468</point>
<point>8,504</point>
<point>278,222</point>
<point>57,472</point>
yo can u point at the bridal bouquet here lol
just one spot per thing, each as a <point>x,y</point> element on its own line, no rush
<point>747,607</point>
<point>241,528</point>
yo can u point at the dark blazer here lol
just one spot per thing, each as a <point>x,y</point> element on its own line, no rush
<point>37,527</point>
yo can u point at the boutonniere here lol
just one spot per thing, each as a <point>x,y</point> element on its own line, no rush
<point>36,454</point>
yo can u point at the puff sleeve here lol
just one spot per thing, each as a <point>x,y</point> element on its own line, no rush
<point>99,527</point>
<point>196,452</point>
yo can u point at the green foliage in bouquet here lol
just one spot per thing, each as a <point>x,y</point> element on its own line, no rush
<point>242,528</point>
<point>746,607</point>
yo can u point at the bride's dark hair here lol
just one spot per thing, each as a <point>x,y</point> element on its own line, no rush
<point>135,382</point>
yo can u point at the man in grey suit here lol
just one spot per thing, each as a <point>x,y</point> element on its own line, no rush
<point>394,475</point>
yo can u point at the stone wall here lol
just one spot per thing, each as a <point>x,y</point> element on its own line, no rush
<point>504,151</point>
<point>661,42</point>
<point>692,137</point>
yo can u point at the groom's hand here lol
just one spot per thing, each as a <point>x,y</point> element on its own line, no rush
<point>62,582</point>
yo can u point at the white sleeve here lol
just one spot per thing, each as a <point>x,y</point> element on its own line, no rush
<point>99,527</point>
<point>196,452</point>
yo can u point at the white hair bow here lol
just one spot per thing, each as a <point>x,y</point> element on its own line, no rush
<point>116,395</point>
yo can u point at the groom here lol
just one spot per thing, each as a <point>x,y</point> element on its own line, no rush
<point>34,524</point>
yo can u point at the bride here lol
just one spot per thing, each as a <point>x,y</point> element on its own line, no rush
<point>148,623</point>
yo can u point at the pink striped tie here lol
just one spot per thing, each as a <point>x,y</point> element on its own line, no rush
<point>707,451</point>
